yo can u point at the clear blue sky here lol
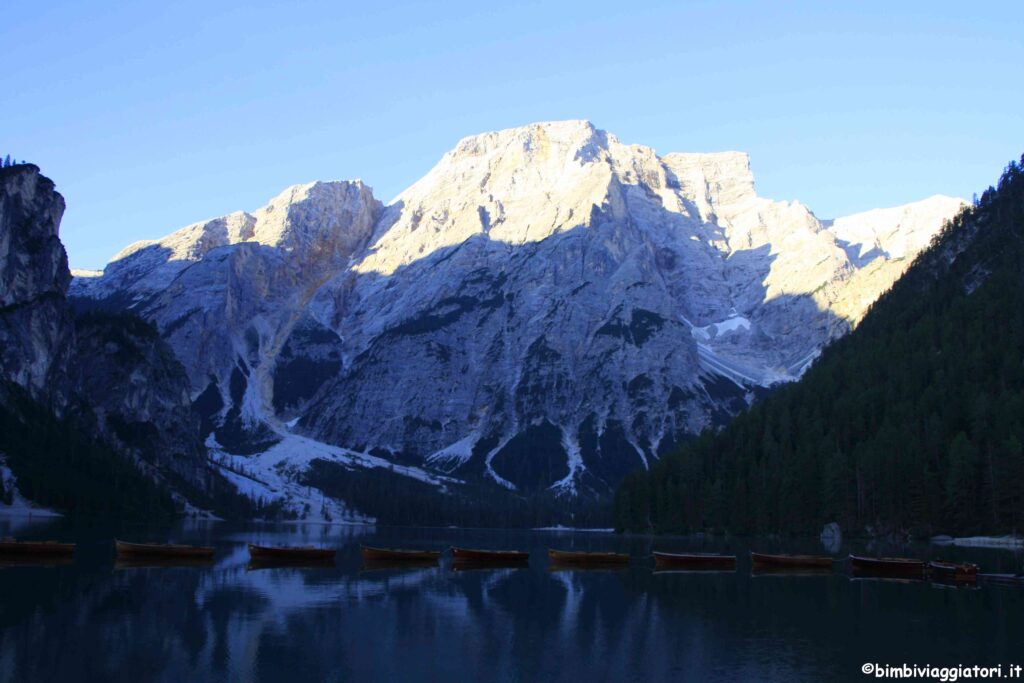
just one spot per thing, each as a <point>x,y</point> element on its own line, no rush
<point>150,116</point>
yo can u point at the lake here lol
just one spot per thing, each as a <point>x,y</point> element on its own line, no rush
<point>92,620</point>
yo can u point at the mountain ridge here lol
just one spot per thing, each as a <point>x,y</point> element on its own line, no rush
<point>544,289</point>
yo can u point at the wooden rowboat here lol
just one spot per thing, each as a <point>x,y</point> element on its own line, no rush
<point>564,557</point>
<point>952,571</point>
<point>762,560</point>
<point>490,556</point>
<point>888,566</point>
<point>9,546</point>
<point>694,561</point>
<point>125,549</point>
<point>398,555</point>
<point>262,552</point>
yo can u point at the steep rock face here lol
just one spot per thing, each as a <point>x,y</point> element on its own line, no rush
<point>34,277</point>
<point>553,285</point>
<point>137,393</point>
<point>112,377</point>
<point>226,293</point>
<point>547,308</point>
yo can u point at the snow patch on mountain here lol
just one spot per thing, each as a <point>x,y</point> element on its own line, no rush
<point>547,304</point>
<point>277,474</point>
<point>567,485</point>
<point>734,323</point>
<point>19,505</point>
<point>454,455</point>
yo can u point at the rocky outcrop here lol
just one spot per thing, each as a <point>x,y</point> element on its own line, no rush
<point>35,324</point>
<point>113,377</point>
<point>227,293</point>
<point>547,308</point>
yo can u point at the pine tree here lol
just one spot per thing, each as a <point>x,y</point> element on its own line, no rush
<point>1011,502</point>
<point>961,483</point>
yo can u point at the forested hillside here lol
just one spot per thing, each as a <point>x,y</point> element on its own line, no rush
<point>914,422</point>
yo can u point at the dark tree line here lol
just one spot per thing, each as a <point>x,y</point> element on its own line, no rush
<point>7,161</point>
<point>913,422</point>
<point>59,465</point>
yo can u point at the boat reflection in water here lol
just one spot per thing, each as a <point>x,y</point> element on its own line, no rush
<point>397,565</point>
<point>35,561</point>
<point>256,564</point>
<point>372,554</point>
<point>10,547</point>
<point>415,621</point>
<point>127,550</point>
<point>760,570</point>
<point>158,562</point>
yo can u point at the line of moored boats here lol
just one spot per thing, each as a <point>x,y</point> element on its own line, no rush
<point>891,567</point>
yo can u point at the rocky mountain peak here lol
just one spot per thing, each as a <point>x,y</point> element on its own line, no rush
<point>536,140</point>
<point>331,217</point>
<point>311,222</point>
<point>722,180</point>
<point>547,307</point>
<point>512,186</point>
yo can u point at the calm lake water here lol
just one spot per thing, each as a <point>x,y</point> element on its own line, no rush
<point>91,620</point>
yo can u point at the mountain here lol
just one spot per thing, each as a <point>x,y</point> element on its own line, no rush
<point>96,411</point>
<point>913,423</point>
<point>545,310</point>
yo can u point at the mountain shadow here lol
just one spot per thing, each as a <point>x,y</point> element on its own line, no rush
<point>546,368</point>
<point>913,423</point>
<point>561,369</point>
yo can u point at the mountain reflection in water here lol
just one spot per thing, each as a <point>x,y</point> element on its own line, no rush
<point>95,620</point>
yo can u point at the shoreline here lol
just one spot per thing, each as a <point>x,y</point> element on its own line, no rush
<point>1007,542</point>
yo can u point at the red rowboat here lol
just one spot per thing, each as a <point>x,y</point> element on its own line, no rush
<point>261,552</point>
<point>693,561</point>
<point>395,555</point>
<point>586,559</point>
<point>490,556</point>
<point>796,561</point>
